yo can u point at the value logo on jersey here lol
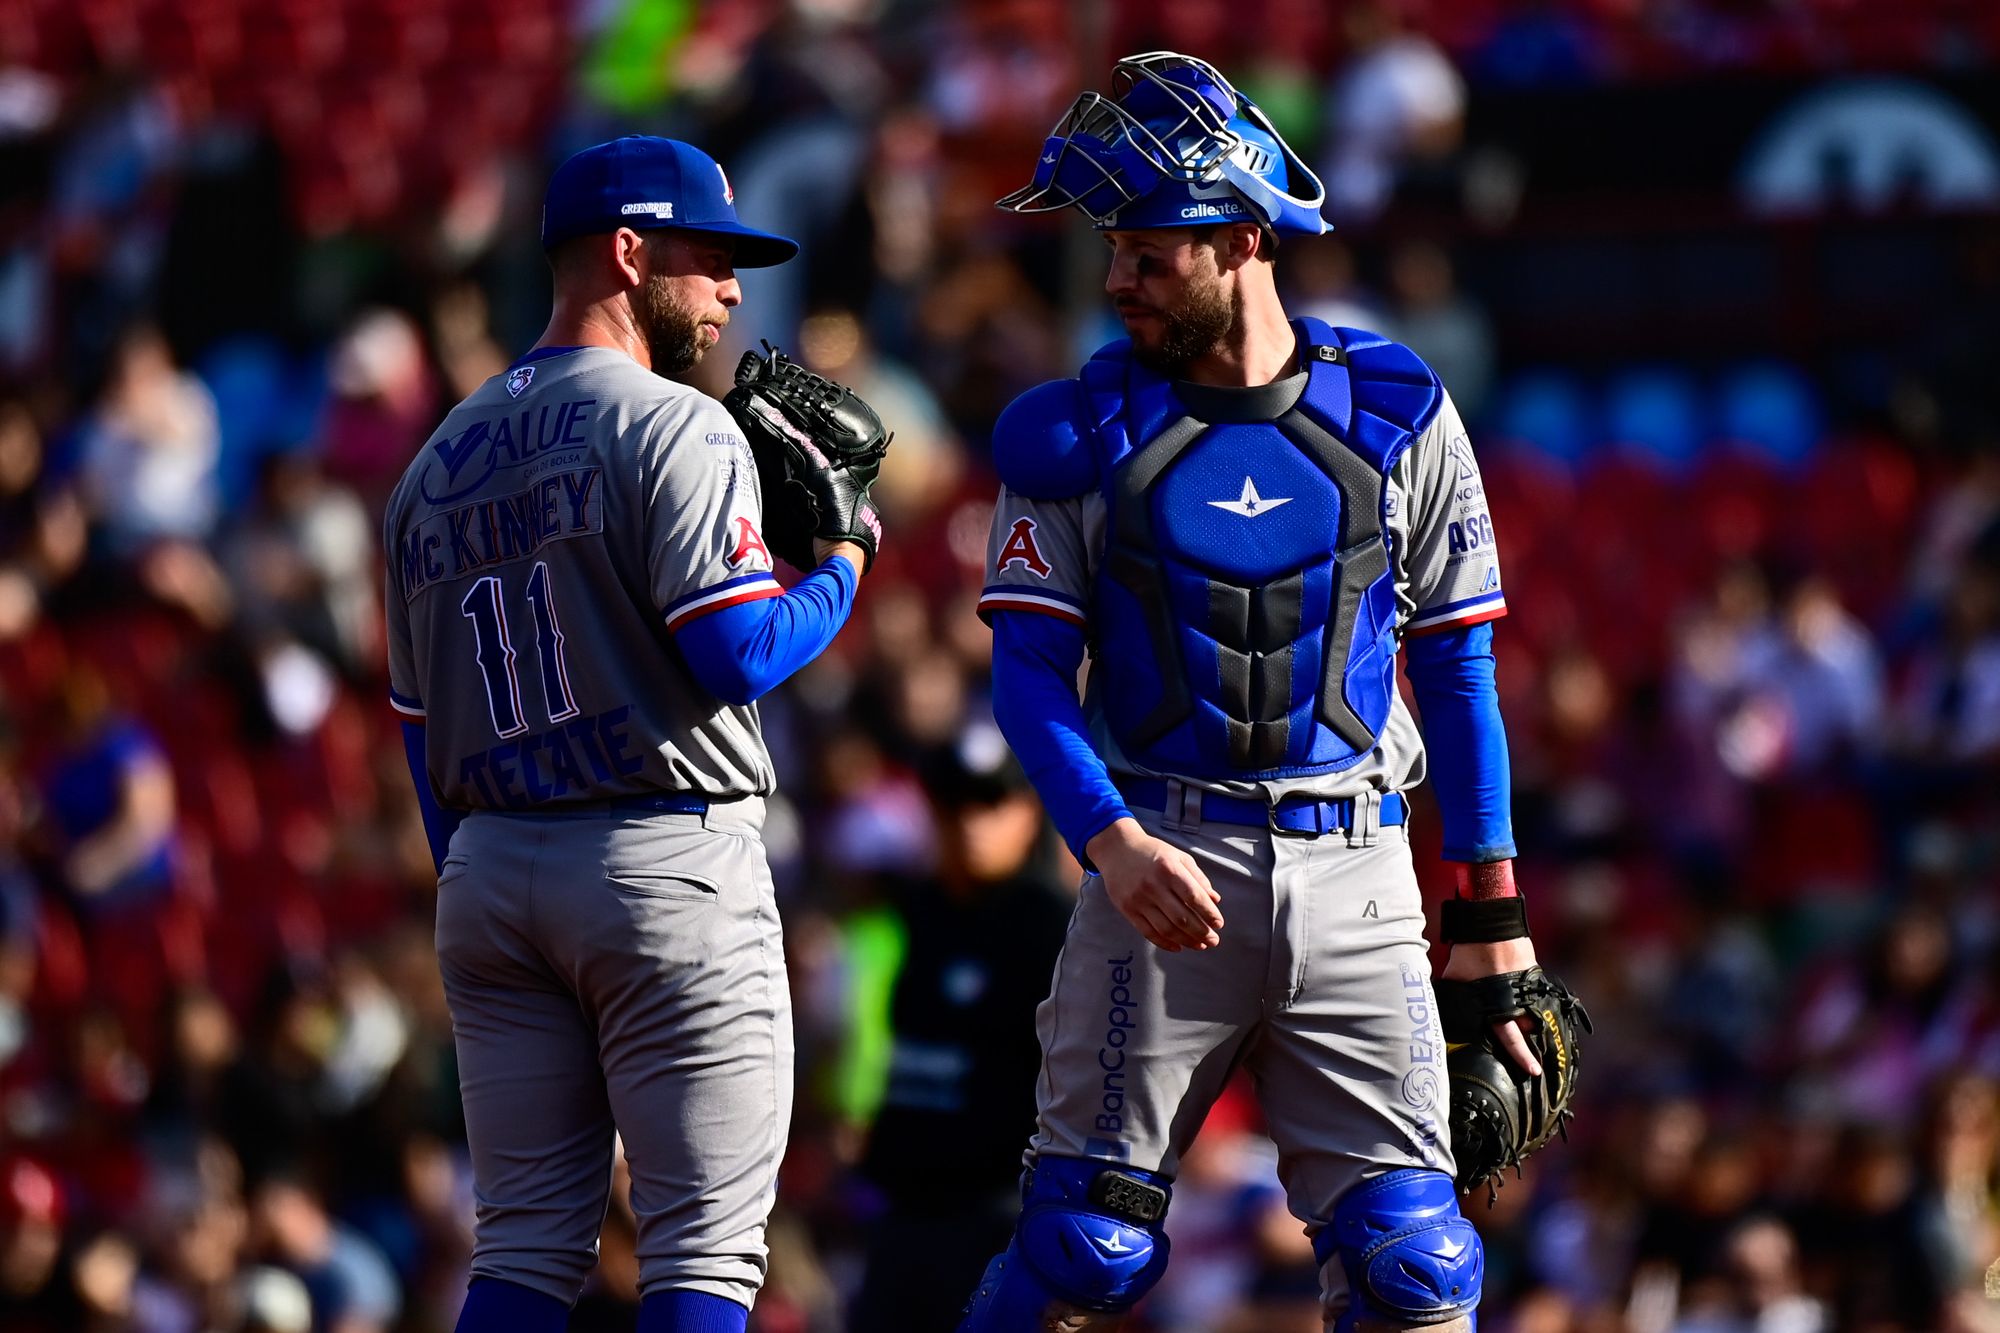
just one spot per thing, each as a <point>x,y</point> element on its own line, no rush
<point>749,542</point>
<point>462,462</point>
<point>1020,548</point>
<point>1250,504</point>
<point>518,380</point>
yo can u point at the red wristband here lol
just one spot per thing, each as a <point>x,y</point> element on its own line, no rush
<point>1484,879</point>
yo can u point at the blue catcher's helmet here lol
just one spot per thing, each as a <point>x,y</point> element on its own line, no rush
<point>1173,146</point>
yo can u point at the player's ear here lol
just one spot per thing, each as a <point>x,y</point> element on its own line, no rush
<point>1240,243</point>
<point>627,255</point>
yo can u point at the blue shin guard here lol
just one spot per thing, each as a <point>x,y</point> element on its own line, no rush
<point>1409,1257</point>
<point>1089,1237</point>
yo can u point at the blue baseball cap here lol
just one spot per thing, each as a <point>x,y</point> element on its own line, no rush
<point>644,182</point>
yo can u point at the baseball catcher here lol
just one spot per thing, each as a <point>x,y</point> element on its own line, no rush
<point>818,448</point>
<point>1244,521</point>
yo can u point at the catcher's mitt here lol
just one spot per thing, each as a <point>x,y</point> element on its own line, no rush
<point>818,449</point>
<point>1498,1113</point>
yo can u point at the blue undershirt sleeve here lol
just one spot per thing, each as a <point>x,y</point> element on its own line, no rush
<point>439,823</point>
<point>1035,660</point>
<point>1452,674</point>
<point>741,651</point>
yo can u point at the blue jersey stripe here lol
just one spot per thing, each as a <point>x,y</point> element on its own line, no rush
<point>740,581</point>
<point>1427,612</point>
<point>542,354</point>
<point>1029,590</point>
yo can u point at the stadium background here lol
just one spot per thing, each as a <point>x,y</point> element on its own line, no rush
<point>1717,283</point>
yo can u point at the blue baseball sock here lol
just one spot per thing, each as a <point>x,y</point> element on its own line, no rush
<point>679,1310</point>
<point>494,1305</point>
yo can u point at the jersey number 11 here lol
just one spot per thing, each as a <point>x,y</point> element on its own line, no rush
<point>484,608</point>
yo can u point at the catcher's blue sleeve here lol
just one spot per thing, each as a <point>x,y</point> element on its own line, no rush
<point>1035,660</point>
<point>1452,674</point>
<point>741,651</point>
<point>439,823</point>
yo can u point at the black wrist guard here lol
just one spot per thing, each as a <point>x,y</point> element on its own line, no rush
<point>1483,920</point>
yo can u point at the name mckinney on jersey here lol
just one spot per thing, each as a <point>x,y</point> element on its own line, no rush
<point>507,527</point>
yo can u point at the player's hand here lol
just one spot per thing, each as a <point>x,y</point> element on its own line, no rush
<point>1157,887</point>
<point>1469,962</point>
<point>848,551</point>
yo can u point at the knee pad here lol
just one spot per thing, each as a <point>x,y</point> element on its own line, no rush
<point>1089,1237</point>
<point>1408,1254</point>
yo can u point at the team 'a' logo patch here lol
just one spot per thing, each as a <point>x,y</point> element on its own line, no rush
<point>1492,579</point>
<point>1020,548</point>
<point>518,380</point>
<point>749,544</point>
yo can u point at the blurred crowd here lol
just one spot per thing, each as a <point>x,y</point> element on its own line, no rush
<point>249,254</point>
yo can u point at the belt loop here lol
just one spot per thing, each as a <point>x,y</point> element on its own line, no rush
<point>1183,812</point>
<point>1365,825</point>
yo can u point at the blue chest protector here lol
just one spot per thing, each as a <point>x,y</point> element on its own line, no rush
<point>1244,611</point>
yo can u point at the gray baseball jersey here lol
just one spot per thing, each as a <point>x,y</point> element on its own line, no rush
<point>559,525</point>
<point>1043,557</point>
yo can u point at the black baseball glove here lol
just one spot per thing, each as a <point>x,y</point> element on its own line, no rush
<point>819,449</point>
<point>1498,1113</point>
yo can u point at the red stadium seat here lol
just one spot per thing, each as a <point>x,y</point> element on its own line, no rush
<point>1811,839</point>
<point>1531,498</point>
<point>396,37</point>
<point>294,39</point>
<point>31,671</point>
<point>1856,508</point>
<point>200,37</point>
<point>1734,499</point>
<point>222,799</point>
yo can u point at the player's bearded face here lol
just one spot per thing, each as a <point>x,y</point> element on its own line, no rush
<point>670,325</point>
<point>1193,325</point>
<point>1191,311</point>
<point>684,302</point>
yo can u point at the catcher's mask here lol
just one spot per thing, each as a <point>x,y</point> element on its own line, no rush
<point>1173,146</point>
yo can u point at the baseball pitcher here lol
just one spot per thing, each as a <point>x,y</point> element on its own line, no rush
<point>1242,519</point>
<point>581,613</point>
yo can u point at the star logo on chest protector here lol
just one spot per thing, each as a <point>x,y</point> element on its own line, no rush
<point>1250,504</point>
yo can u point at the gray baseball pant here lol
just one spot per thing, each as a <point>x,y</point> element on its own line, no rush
<point>1320,988</point>
<point>605,969</point>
